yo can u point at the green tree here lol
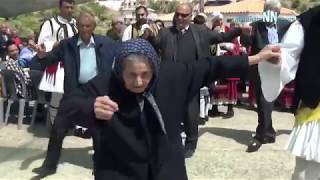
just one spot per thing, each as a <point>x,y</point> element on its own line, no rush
<point>26,24</point>
<point>161,7</point>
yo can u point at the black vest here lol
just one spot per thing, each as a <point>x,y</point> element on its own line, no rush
<point>186,50</point>
<point>261,34</point>
<point>307,82</point>
<point>260,40</point>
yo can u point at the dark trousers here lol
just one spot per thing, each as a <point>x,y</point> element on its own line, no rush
<point>58,132</point>
<point>264,129</point>
<point>60,128</point>
<point>35,77</point>
<point>191,123</point>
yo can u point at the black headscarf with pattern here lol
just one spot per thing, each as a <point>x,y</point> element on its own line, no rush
<point>143,48</point>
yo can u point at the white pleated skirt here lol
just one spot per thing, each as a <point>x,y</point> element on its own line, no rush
<point>304,141</point>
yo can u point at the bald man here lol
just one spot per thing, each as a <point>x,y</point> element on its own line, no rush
<point>84,56</point>
<point>186,42</point>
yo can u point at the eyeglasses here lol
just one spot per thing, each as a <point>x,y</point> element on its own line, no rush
<point>182,15</point>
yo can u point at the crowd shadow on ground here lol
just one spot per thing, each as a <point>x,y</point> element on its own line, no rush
<point>27,156</point>
<point>69,155</point>
<point>276,108</point>
<point>241,136</point>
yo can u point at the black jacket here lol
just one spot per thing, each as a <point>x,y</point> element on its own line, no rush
<point>202,37</point>
<point>259,40</point>
<point>132,150</point>
<point>260,34</point>
<point>69,53</point>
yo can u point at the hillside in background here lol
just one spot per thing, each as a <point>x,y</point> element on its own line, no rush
<point>300,5</point>
<point>26,24</point>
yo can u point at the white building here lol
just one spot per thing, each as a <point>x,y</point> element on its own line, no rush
<point>128,7</point>
<point>112,4</point>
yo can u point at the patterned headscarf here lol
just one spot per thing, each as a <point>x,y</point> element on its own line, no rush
<point>144,48</point>
<point>136,47</point>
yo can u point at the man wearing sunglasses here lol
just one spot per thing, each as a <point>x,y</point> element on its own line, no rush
<point>185,42</point>
<point>136,30</point>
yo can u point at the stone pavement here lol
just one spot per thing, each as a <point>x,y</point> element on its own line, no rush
<point>220,154</point>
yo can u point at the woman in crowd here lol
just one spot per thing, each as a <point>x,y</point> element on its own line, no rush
<point>30,78</point>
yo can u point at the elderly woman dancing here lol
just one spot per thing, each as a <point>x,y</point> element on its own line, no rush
<point>139,107</point>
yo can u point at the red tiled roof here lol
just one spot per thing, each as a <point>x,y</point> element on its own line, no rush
<point>246,6</point>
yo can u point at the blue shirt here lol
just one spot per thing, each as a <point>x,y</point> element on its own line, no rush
<point>88,61</point>
<point>273,35</point>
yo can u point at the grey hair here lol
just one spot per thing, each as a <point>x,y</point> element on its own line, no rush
<point>89,15</point>
<point>272,4</point>
<point>136,58</point>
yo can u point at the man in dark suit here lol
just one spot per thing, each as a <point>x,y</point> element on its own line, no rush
<point>84,56</point>
<point>270,30</point>
<point>185,42</point>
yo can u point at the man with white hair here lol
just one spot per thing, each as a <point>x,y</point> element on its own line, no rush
<point>117,28</point>
<point>216,21</point>
<point>269,30</point>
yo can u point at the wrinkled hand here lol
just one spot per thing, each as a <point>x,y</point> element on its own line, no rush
<point>104,108</point>
<point>270,53</point>
<point>147,33</point>
<point>40,49</point>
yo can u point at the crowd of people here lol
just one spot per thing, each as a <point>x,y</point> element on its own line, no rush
<point>131,89</point>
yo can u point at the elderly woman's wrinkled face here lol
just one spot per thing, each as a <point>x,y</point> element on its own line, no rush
<point>137,73</point>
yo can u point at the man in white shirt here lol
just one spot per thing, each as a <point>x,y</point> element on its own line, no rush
<point>52,32</point>
<point>59,27</point>
<point>84,56</point>
<point>300,62</point>
<point>268,31</point>
<point>136,30</point>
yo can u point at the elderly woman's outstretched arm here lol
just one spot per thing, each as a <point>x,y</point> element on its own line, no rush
<point>213,68</point>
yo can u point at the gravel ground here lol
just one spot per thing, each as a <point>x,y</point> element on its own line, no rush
<point>220,154</point>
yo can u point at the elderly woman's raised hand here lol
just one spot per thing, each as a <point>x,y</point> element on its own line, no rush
<point>270,53</point>
<point>104,108</point>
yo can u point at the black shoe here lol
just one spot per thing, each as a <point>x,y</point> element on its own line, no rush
<point>44,171</point>
<point>228,115</point>
<point>202,121</point>
<point>188,153</point>
<point>254,145</point>
<point>213,113</point>
<point>268,140</point>
<point>80,132</point>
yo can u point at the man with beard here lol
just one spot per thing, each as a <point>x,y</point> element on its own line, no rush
<point>136,30</point>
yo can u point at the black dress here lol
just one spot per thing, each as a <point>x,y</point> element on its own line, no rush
<point>133,144</point>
